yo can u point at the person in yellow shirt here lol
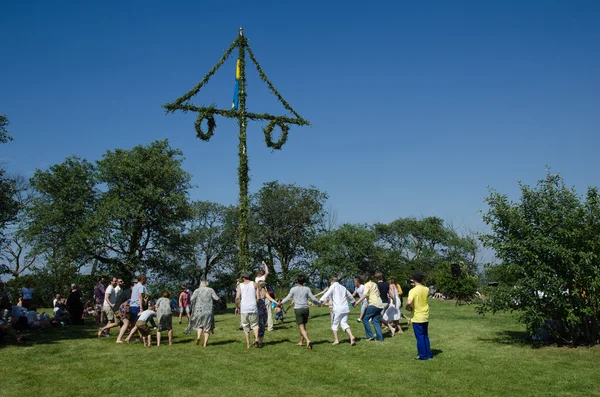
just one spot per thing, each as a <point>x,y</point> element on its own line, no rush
<point>373,312</point>
<point>417,303</point>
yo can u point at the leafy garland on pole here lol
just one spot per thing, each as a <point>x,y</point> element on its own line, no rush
<point>208,113</point>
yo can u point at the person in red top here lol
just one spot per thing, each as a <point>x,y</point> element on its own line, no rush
<point>184,303</point>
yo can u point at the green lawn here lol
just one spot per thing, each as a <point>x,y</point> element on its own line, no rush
<point>473,356</point>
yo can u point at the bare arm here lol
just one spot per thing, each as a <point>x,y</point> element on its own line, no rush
<point>326,293</point>
<point>238,294</point>
<point>266,268</point>
<point>313,298</point>
<point>409,305</point>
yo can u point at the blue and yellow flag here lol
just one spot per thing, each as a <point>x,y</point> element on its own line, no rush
<point>236,90</point>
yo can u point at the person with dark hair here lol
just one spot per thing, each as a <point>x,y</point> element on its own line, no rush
<point>246,298</point>
<point>75,305</point>
<point>359,291</point>
<point>99,296</point>
<point>164,314</point>
<point>184,303</point>
<point>110,296</point>
<point>137,297</point>
<point>373,312</point>
<point>417,303</point>
<point>27,294</point>
<point>384,290</point>
<point>300,294</point>
<point>122,309</point>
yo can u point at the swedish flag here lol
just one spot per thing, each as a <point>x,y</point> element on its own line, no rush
<point>236,90</point>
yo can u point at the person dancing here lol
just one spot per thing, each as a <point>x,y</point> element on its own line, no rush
<point>338,295</point>
<point>300,294</point>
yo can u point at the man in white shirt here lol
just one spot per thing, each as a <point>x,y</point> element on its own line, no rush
<point>137,297</point>
<point>338,297</point>
<point>110,296</point>
<point>246,298</point>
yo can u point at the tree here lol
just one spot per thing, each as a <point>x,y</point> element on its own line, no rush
<point>15,250</point>
<point>549,247</point>
<point>4,123</point>
<point>9,207</point>
<point>127,212</point>
<point>62,216</point>
<point>346,251</point>
<point>422,244</point>
<point>459,287</point>
<point>144,207</point>
<point>286,220</point>
<point>212,233</point>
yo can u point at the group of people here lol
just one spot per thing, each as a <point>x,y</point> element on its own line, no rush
<point>129,309</point>
<point>380,304</point>
<point>22,316</point>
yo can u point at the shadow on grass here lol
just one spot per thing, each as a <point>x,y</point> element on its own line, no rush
<point>52,335</point>
<point>436,352</point>
<point>510,338</point>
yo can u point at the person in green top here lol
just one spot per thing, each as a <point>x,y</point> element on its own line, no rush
<point>417,303</point>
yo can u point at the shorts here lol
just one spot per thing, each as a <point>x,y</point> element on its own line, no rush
<point>339,319</point>
<point>249,321</point>
<point>108,312</point>
<point>187,309</point>
<point>143,328</point>
<point>363,306</point>
<point>301,315</point>
<point>99,308</point>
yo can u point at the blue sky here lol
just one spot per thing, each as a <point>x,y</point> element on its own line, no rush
<point>416,107</point>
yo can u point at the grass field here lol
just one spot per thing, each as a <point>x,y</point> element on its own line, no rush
<point>473,356</point>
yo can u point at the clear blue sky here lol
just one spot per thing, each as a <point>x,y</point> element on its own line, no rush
<point>416,107</point>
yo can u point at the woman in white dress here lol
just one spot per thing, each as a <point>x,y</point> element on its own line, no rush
<point>393,315</point>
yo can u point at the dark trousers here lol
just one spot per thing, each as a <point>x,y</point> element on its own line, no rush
<point>422,335</point>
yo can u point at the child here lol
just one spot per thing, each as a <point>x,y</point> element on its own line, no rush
<point>142,328</point>
<point>278,312</point>
<point>164,314</point>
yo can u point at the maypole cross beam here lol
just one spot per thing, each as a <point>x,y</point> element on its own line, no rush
<point>238,111</point>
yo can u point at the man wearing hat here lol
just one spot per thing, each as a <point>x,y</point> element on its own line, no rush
<point>417,303</point>
<point>246,298</point>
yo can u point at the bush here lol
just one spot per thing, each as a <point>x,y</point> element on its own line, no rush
<point>549,245</point>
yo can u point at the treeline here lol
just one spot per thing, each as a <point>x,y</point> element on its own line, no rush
<point>130,212</point>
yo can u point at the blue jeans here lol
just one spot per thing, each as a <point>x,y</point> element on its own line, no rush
<point>374,313</point>
<point>422,336</point>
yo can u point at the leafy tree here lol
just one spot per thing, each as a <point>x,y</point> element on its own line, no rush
<point>9,207</point>
<point>144,206</point>
<point>421,244</point>
<point>4,123</point>
<point>461,287</point>
<point>127,212</point>
<point>61,217</point>
<point>15,250</point>
<point>549,247</point>
<point>212,232</point>
<point>346,251</point>
<point>286,219</point>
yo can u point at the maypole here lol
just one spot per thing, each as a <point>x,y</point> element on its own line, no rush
<point>238,111</point>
